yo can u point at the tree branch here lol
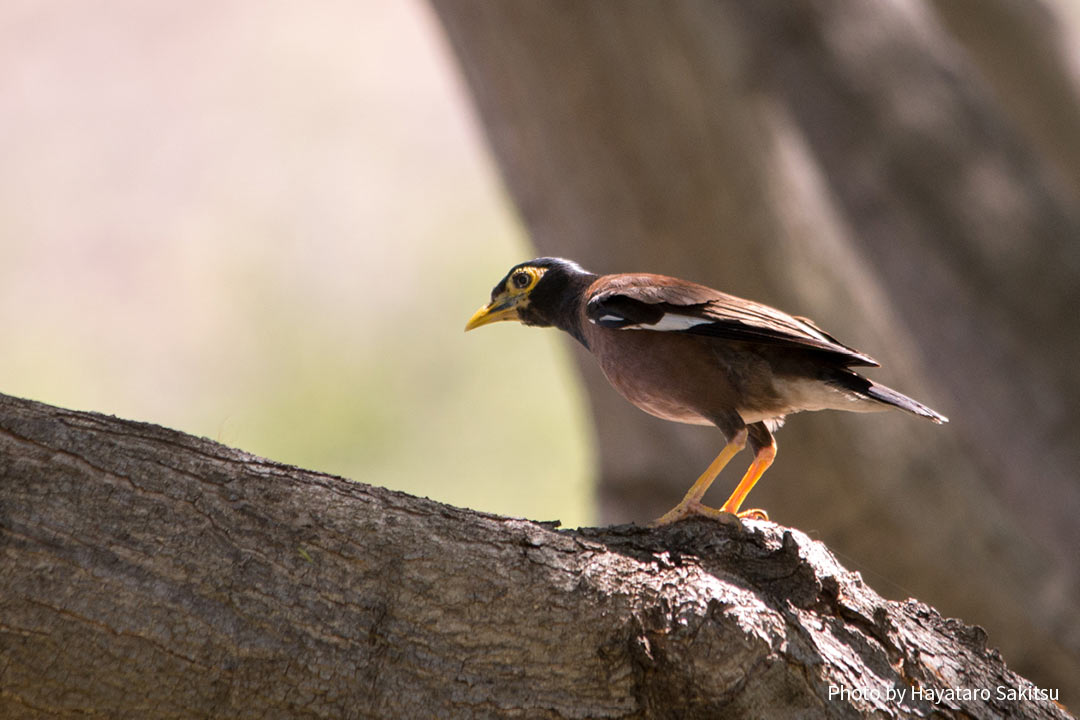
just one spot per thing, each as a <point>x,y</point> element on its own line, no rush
<point>151,573</point>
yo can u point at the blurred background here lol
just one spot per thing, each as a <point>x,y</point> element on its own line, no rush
<point>267,223</point>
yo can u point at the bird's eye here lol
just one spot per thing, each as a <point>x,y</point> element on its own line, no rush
<point>521,280</point>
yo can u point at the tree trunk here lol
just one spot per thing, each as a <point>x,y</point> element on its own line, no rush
<point>148,573</point>
<point>854,162</point>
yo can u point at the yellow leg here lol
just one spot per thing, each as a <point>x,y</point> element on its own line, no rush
<point>691,502</point>
<point>762,461</point>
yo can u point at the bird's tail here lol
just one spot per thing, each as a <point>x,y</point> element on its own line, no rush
<point>891,397</point>
<point>883,394</point>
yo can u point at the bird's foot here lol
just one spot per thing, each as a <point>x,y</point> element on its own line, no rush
<point>693,508</point>
<point>753,514</point>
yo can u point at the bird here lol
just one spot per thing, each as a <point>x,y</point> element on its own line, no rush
<point>688,353</point>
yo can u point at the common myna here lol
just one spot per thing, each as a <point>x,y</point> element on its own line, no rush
<point>688,353</point>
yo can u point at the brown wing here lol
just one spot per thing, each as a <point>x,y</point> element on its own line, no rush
<point>659,303</point>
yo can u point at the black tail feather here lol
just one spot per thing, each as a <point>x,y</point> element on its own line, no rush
<point>891,397</point>
<point>887,395</point>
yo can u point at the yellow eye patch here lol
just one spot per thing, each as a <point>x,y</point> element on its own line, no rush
<point>523,280</point>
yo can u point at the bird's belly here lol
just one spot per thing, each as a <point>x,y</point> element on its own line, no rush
<point>794,395</point>
<point>667,410</point>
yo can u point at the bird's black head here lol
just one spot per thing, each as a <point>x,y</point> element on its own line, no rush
<point>545,291</point>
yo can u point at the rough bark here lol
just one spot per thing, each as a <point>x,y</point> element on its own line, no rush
<point>910,189</point>
<point>148,573</point>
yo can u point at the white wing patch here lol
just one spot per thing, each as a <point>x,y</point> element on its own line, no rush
<point>671,322</point>
<point>674,322</point>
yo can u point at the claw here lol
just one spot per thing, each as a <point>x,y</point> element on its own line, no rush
<point>693,508</point>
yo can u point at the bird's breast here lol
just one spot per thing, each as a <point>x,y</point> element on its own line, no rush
<point>670,375</point>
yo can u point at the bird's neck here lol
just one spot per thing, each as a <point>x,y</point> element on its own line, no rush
<point>566,314</point>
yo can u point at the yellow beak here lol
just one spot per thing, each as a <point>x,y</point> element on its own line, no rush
<point>502,309</point>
